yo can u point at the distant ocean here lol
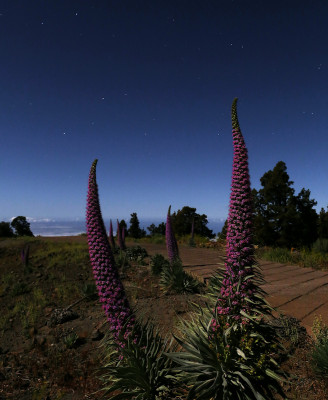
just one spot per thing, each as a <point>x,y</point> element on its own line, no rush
<point>61,227</point>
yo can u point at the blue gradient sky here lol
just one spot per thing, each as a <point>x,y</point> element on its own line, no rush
<point>146,87</point>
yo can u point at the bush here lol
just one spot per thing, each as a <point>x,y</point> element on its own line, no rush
<point>121,259</point>
<point>20,288</point>
<point>319,357</point>
<point>174,279</point>
<point>320,330</point>
<point>319,360</point>
<point>158,263</point>
<point>136,253</point>
<point>89,290</point>
<point>320,246</point>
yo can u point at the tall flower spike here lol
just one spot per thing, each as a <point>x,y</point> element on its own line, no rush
<point>110,288</point>
<point>119,236</point>
<point>171,243</point>
<point>240,250</point>
<point>111,236</point>
<point>123,237</point>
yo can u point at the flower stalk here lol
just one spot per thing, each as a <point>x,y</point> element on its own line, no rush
<point>111,236</point>
<point>119,236</point>
<point>240,251</point>
<point>110,288</point>
<point>171,243</point>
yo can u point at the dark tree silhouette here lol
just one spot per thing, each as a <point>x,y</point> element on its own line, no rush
<point>134,230</point>
<point>6,229</point>
<point>182,222</point>
<point>281,218</point>
<point>21,226</point>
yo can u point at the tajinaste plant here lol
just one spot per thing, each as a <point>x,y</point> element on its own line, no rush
<point>123,237</point>
<point>229,345</point>
<point>119,236</point>
<point>110,288</point>
<point>111,236</point>
<point>191,240</point>
<point>25,255</point>
<point>171,243</point>
<point>240,251</point>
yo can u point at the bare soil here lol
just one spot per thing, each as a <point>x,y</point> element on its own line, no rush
<point>38,362</point>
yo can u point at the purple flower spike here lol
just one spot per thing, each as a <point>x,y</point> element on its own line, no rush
<point>123,237</point>
<point>240,250</point>
<point>110,288</point>
<point>111,236</point>
<point>171,243</point>
<point>119,236</point>
<point>25,255</point>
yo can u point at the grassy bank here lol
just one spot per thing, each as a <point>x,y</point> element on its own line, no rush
<point>303,257</point>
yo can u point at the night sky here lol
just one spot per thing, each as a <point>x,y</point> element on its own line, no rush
<point>146,87</point>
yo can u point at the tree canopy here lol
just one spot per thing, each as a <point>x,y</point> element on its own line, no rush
<point>182,222</point>
<point>323,224</point>
<point>157,230</point>
<point>134,229</point>
<point>21,226</point>
<point>281,218</point>
<point>6,229</point>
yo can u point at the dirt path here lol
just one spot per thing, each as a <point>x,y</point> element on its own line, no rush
<point>299,292</point>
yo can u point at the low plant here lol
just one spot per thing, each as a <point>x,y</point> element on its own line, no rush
<point>89,291</point>
<point>20,288</point>
<point>158,263</point>
<point>67,292</point>
<point>319,359</point>
<point>136,253</point>
<point>174,279</point>
<point>71,339</point>
<point>143,371</point>
<point>233,361</point>
<point>320,330</point>
<point>121,259</point>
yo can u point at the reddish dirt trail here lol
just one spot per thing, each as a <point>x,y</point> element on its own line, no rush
<point>293,290</point>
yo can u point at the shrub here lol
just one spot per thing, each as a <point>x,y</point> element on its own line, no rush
<point>20,288</point>
<point>320,330</point>
<point>89,290</point>
<point>71,340</point>
<point>321,246</point>
<point>319,359</point>
<point>136,253</point>
<point>121,260</point>
<point>174,279</point>
<point>157,263</point>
